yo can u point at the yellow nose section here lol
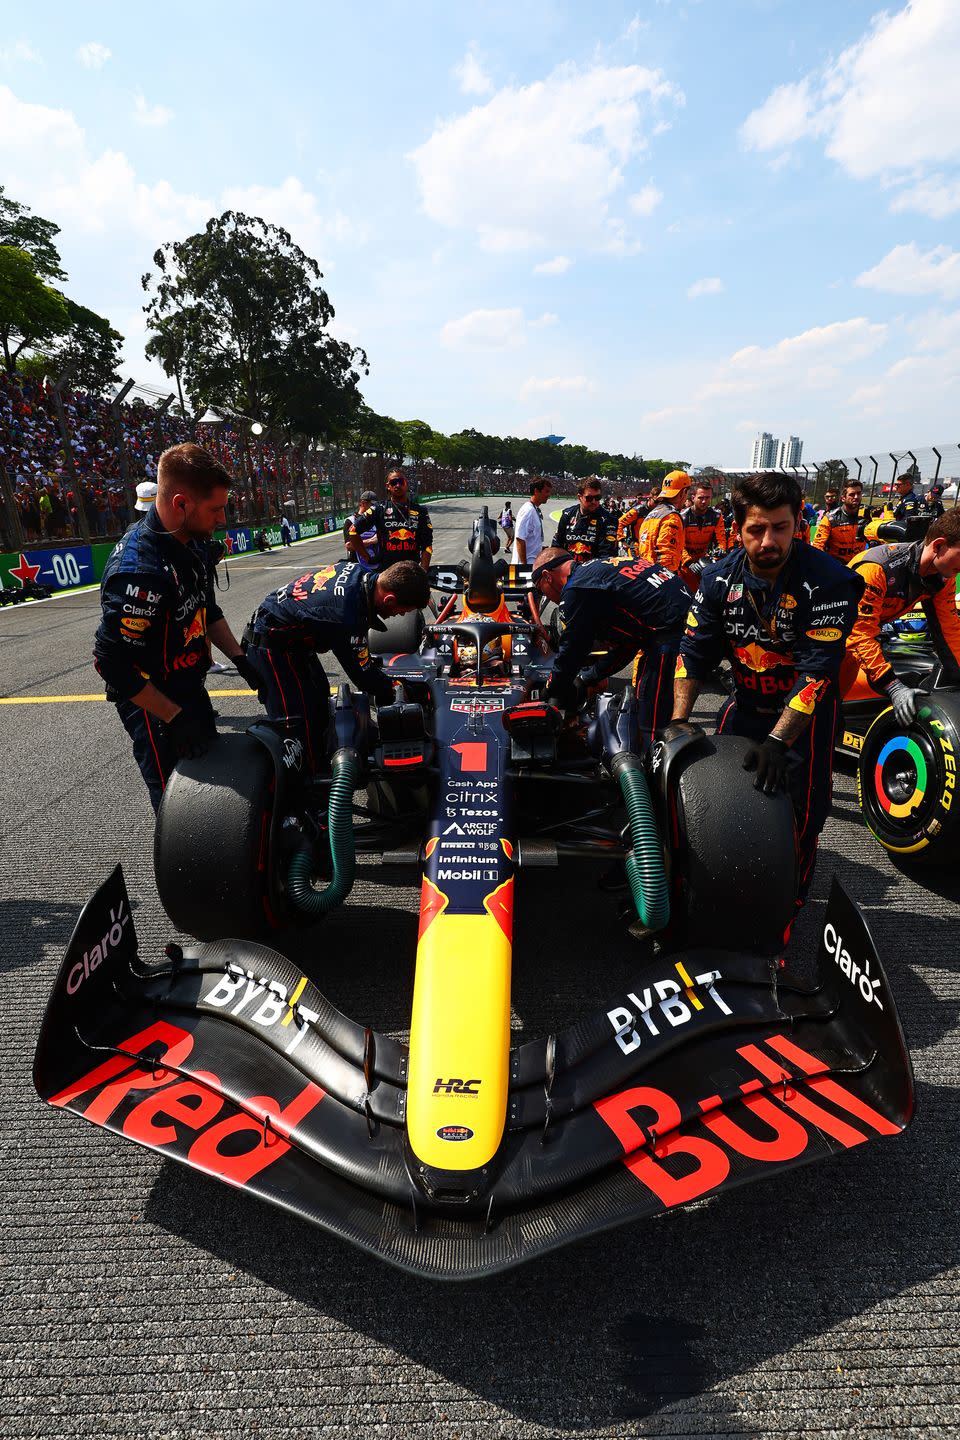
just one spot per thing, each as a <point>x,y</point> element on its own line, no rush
<point>460,1033</point>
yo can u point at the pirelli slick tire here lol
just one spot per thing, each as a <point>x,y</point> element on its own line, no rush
<point>401,637</point>
<point>907,782</point>
<point>733,870</point>
<point>210,847</point>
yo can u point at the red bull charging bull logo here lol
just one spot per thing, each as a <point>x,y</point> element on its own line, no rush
<point>756,657</point>
<point>197,628</point>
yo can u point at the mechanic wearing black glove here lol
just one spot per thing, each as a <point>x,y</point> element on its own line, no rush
<point>770,759</point>
<point>160,614</point>
<point>632,611</point>
<point>779,611</point>
<point>332,609</point>
<point>247,672</point>
<point>190,733</point>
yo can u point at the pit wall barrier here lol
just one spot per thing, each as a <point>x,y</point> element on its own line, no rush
<point>69,567</point>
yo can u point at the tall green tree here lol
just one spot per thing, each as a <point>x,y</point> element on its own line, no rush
<point>31,312</point>
<point>89,352</point>
<point>23,230</point>
<point>252,318</point>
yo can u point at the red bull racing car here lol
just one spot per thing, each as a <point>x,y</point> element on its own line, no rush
<point>459,1153</point>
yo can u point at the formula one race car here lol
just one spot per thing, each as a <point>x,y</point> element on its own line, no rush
<point>907,776</point>
<point>455,1155</point>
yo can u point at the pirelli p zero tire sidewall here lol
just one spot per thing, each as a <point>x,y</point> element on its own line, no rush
<point>401,637</point>
<point>733,868</point>
<point>907,782</point>
<point>211,845</point>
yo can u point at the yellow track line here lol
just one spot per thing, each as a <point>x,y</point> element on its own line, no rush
<point>66,699</point>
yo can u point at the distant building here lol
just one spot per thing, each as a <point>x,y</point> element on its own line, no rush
<point>769,452</point>
<point>764,449</point>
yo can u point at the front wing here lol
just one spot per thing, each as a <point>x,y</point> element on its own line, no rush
<point>715,1069</point>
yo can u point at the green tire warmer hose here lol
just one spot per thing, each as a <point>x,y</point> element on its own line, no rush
<point>644,862</point>
<point>340,826</point>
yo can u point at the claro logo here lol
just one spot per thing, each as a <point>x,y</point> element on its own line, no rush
<point>95,956</point>
<point>857,975</point>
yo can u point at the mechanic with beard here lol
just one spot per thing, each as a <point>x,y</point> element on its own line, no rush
<point>633,609</point>
<point>332,609</point>
<point>897,577</point>
<point>586,529</point>
<point>160,614</point>
<point>838,526</point>
<point>404,528</point>
<point>781,612</point>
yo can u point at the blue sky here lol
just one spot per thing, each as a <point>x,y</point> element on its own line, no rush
<point>653,228</point>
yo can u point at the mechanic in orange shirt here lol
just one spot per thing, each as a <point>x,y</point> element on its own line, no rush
<point>628,526</point>
<point>837,530</point>
<point>705,535</point>
<point>660,537</point>
<point>897,578</point>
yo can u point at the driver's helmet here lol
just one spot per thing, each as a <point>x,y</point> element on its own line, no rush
<point>465,654</point>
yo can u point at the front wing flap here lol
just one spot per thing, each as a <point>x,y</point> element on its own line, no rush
<point>713,1070</point>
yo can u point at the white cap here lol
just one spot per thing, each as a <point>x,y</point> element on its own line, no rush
<point>146,494</point>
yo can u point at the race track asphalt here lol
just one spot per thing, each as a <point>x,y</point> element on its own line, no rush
<point>141,1300</point>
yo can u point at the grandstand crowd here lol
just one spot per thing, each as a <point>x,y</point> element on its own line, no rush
<point>48,492</point>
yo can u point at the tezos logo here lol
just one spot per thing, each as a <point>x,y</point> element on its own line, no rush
<point>454,1132</point>
<point>856,974</point>
<point>292,754</point>
<point>95,956</point>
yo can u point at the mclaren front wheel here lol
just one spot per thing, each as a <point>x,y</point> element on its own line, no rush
<point>907,782</point>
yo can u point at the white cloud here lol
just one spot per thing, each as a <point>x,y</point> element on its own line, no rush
<point>645,201</point>
<point>555,384</point>
<point>151,116</point>
<point>471,76</point>
<point>295,208</point>
<point>559,265</point>
<point>813,359</point>
<point>93,55</point>
<point>935,196</point>
<point>542,321</point>
<point>711,285</point>
<point>544,164</point>
<point>18,52</point>
<point>907,270</point>
<point>888,108</point>
<point>485,330</point>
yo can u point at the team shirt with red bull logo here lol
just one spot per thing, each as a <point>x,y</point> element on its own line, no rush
<point>405,531</point>
<point>329,609</point>
<point>589,537</point>
<point>158,602</point>
<point>785,640</point>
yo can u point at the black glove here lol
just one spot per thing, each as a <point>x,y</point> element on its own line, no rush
<point>698,566</point>
<point>191,734</point>
<point>676,728</point>
<point>770,759</point>
<point>247,672</point>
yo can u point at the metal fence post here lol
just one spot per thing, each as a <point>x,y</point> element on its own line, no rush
<point>68,456</point>
<point>115,404</point>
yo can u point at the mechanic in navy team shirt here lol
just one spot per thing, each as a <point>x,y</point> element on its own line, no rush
<point>586,529</point>
<point>623,607</point>
<point>160,615</point>
<point>334,609</point>
<point>781,612</point>
<point>404,528</point>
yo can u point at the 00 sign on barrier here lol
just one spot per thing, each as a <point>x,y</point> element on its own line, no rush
<point>60,569</point>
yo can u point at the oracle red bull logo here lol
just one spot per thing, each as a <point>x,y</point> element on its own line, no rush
<point>757,657</point>
<point>196,629</point>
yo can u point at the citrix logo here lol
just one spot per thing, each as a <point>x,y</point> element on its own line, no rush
<point>857,975</point>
